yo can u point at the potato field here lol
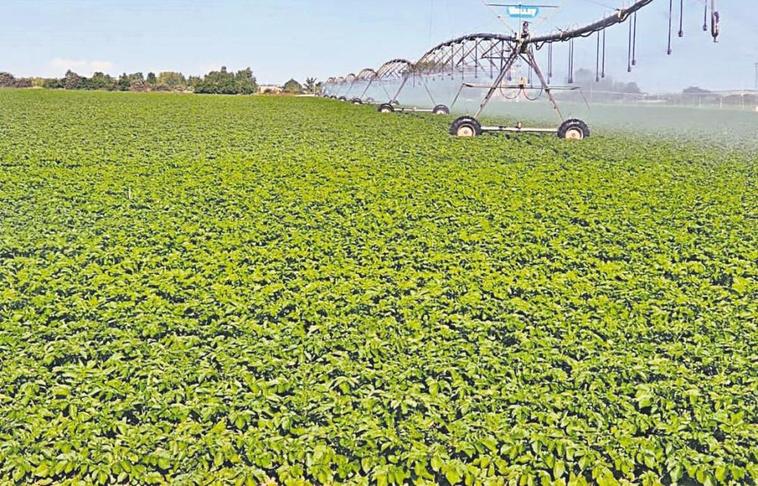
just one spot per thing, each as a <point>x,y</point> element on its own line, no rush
<point>297,291</point>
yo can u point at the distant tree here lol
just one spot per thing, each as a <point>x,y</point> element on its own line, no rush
<point>7,80</point>
<point>138,85</point>
<point>100,81</point>
<point>603,87</point>
<point>123,82</point>
<point>311,85</point>
<point>173,80</point>
<point>584,76</point>
<point>194,81</point>
<point>631,88</point>
<point>72,80</point>
<point>694,90</point>
<point>245,81</point>
<point>224,82</point>
<point>293,87</point>
<point>53,83</point>
<point>216,82</point>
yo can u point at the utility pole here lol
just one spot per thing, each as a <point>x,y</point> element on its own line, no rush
<point>756,76</point>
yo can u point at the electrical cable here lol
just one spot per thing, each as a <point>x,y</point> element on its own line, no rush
<point>502,93</point>
<point>535,98</point>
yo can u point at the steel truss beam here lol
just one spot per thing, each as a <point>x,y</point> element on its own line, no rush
<point>488,55</point>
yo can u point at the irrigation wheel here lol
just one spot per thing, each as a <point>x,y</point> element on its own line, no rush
<point>466,126</point>
<point>386,108</point>
<point>441,110</point>
<point>573,129</point>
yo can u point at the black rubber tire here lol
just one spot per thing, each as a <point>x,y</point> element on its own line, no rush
<point>357,101</point>
<point>386,108</point>
<point>441,110</point>
<point>466,126</point>
<point>573,129</point>
<point>342,98</point>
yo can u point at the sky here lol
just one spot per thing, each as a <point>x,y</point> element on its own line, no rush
<point>283,39</point>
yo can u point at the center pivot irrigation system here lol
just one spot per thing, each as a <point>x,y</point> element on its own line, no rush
<point>488,62</point>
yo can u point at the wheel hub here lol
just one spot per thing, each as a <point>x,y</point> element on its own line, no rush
<point>574,134</point>
<point>465,131</point>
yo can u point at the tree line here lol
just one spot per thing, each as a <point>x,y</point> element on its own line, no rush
<point>214,82</point>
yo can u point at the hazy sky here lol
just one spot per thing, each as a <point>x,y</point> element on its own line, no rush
<point>281,39</point>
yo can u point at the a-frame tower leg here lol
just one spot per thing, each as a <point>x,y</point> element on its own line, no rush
<point>515,53</point>
<point>532,60</point>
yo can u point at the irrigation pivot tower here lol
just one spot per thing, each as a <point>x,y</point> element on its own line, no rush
<point>496,62</point>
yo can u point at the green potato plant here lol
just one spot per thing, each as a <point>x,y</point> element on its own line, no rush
<point>245,290</point>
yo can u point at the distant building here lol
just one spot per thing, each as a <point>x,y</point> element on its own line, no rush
<point>269,89</point>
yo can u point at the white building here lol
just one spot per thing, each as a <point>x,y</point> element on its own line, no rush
<point>269,89</point>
